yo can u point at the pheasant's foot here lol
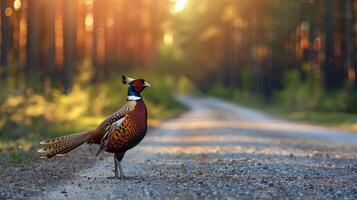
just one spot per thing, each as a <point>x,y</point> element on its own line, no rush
<point>121,171</point>
<point>115,177</point>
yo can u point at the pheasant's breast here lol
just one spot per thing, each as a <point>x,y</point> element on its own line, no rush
<point>130,132</point>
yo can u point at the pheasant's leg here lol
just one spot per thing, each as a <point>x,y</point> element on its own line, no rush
<point>119,157</point>
<point>121,170</point>
<point>116,167</point>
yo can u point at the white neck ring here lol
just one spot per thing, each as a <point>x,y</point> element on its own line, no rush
<point>133,98</point>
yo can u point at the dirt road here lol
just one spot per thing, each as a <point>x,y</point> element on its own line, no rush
<point>222,151</point>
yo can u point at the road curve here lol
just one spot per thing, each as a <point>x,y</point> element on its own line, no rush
<point>218,150</point>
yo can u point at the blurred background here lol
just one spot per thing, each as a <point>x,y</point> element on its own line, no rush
<point>61,61</point>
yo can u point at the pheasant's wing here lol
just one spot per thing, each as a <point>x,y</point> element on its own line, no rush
<point>108,132</point>
<point>114,121</point>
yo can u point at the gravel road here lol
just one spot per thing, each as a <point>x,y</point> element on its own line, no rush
<point>218,150</point>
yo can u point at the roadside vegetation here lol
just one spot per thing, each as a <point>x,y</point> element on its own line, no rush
<point>300,101</point>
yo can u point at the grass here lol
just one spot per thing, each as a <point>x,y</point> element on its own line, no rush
<point>16,158</point>
<point>337,119</point>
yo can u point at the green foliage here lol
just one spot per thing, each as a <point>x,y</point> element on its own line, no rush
<point>247,79</point>
<point>307,95</point>
<point>16,157</point>
<point>186,86</point>
<point>328,118</point>
<point>298,94</point>
<point>351,101</point>
<point>13,158</point>
<point>237,95</point>
<point>170,61</point>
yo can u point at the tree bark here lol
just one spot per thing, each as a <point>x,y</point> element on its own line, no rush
<point>329,45</point>
<point>48,38</point>
<point>32,52</point>
<point>95,42</point>
<point>69,43</point>
<point>348,35</point>
<point>5,35</point>
<point>354,36</point>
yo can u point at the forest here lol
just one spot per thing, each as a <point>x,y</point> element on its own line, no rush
<point>300,53</point>
<point>61,61</point>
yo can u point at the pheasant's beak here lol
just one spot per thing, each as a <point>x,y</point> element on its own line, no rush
<point>146,84</point>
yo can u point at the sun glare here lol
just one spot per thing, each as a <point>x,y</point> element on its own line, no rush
<point>17,4</point>
<point>179,6</point>
<point>168,39</point>
<point>89,22</point>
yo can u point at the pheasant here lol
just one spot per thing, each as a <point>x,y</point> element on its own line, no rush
<point>118,133</point>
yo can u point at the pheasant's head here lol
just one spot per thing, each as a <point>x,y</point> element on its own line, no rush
<point>136,86</point>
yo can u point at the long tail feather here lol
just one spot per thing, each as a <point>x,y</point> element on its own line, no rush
<point>63,144</point>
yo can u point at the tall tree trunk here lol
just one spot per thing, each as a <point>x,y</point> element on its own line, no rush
<point>4,48</point>
<point>32,51</point>
<point>69,43</point>
<point>99,37</point>
<point>354,46</point>
<point>228,58</point>
<point>47,53</point>
<point>81,31</point>
<point>95,42</point>
<point>329,45</point>
<point>340,48</point>
<point>348,35</point>
<point>16,36</point>
<point>5,35</point>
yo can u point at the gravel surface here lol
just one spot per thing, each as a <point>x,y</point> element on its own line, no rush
<point>216,151</point>
<point>35,175</point>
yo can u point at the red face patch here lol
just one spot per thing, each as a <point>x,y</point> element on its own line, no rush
<point>138,85</point>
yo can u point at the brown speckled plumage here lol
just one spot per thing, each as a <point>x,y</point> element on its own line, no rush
<point>127,134</point>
